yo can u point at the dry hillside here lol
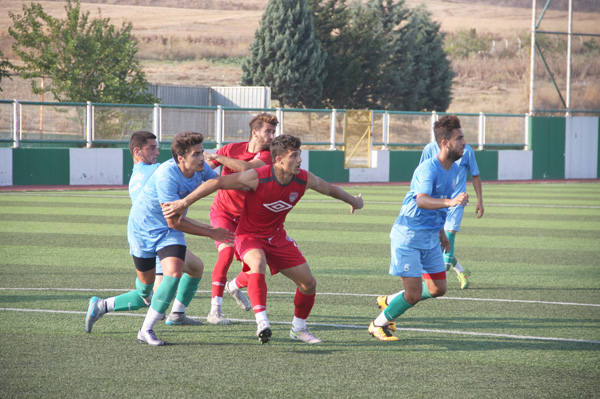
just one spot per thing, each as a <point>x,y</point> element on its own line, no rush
<point>201,42</point>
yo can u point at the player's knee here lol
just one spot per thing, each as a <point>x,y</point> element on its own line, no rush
<point>308,287</point>
<point>194,267</point>
<point>436,291</point>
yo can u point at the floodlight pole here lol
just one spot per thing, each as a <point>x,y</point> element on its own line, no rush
<point>532,65</point>
<point>569,47</point>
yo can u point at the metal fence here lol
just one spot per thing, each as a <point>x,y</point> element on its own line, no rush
<point>30,123</point>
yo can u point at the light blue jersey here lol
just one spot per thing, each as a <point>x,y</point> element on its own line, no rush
<point>139,176</point>
<point>417,227</point>
<point>466,163</point>
<point>147,229</point>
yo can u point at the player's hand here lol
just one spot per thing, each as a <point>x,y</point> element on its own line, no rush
<point>172,209</point>
<point>444,242</point>
<point>210,157</point>
<point>461,199</point>
<point>222,235</point>
<point>479,209</point>
<point>358,203</point>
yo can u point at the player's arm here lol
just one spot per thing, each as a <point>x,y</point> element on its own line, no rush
<point>191,226</point>
<point>476,180</point>
<point>237,181</point>
<point>444,242</point>
<point>323,187</point>
<point>235,164</point>
<point>425,201</point>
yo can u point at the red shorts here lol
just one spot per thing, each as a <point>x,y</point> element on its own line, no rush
<point>223,219</point>
<point>281,251</point>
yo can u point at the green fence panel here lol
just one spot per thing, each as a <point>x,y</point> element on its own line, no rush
<point>403,164</point>
<point>487,161</point>
<point>33,166</point>
<point>328,165</point>
<point>548,145</point>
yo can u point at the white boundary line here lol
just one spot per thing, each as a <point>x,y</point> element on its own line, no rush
<point>318,293</point>
<point>347,326</point>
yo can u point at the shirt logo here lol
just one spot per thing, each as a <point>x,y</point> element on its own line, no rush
<point>293,196</point>
<point>278,206</point>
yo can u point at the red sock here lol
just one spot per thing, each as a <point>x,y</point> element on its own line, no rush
<point>303,304</point>
<point>219,274</point>
<point>241,280</point>
<point>257,292</point>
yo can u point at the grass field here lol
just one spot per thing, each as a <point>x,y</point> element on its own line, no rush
<point>528,327</point>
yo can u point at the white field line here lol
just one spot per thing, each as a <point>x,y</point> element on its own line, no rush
<point>346,326</point>
<point>318,293</point>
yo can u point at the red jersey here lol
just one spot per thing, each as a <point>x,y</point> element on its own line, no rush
<point>266,207</point>
<point>232,201</point>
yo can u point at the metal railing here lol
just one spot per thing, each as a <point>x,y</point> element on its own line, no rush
<point>31,123</point>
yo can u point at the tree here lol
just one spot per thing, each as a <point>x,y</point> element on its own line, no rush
<point>350,37</point>
<point>86,59</point>
<point>5,66</point>
<point>286,56</point>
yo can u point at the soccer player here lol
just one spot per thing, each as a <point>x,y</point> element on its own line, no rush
<point>418,231</point>
<point>144,150</point>
<point>261,240</point>
<point>227,207</point>
<point>455,214</point>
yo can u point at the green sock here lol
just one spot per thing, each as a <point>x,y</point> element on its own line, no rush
<point>396,307</point>
<point>129,301</point>
<point>425,293</point>
<point>164,294</point>
<point>187,288</point>
<point>144,290</point>
<point>449,256</point>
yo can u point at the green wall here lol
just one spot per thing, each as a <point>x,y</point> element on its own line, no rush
<point>487,161</point>
<point>40,166</point>
<point>548,145</point>
<point>328,165</point>
<point>403,164</point>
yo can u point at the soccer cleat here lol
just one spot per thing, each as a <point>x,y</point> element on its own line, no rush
<point>148,337</point>
<point>218,318</point>
<point>263,332</point>
<point>463,279</point>
<point>381,333</point>
<point>382,303</point>
<point>240,298</point>
<point>180,319</point>
<point>96,309</point>
<point>304,336</point>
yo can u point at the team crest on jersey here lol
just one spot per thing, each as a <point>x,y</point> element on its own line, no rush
<point>278,206</point>
<point>293,196</point>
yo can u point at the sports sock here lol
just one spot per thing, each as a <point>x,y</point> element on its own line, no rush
<point>390,298</point>
<point>219,274</point>
<point>178,307</point>
<point>152,317</point>
<point>450,254</point>
<point>298,324</point>
<point>257,292</point>
<point>396,308</point>
<point>303,304</point>
<point>164,294</point>
<point>457,267</point>
<point>144,290</point>
<point>187,288</point>
<point>241,280</point>
<point>425,293</point>
<point>129,301</point>
<point>215,304</point>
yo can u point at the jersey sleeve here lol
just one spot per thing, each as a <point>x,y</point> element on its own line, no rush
<point>424,179</point>
<point>428,152</point>
<point>265,156</point>
<point>473,168</point>
<point>166,186</point>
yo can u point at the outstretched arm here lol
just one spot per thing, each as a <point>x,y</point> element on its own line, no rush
<point>323,187</point>
<point>235,164</point>
<point>236,181</point>
<point>477,187</point>
<point>426,201</point>
<point>191,226</point>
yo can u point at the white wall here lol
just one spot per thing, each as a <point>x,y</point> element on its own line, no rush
<point>515,165</point>
<point>95,166</point>
<point>378,172</point>
<point>581,147</point>
<point>6,167</point>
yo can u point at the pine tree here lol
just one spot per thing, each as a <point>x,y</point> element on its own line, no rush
<point>286,56</point>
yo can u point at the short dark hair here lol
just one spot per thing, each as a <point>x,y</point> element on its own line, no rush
<point>257,122</point>
<point>183,141</point>
<point>139,139</point>
<point>444,127</point>
<point>284,143</point>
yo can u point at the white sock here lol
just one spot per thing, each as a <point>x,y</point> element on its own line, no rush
<point>458,268</point>
<point>152,317</point>
<point>110,304</point>
<point>178,307</point>
<point>232,285</point>
<point>390,298</point>
<point>298,324</point>
<point>215,304</point>
<point>381,320</point>
<point>261,317</point>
